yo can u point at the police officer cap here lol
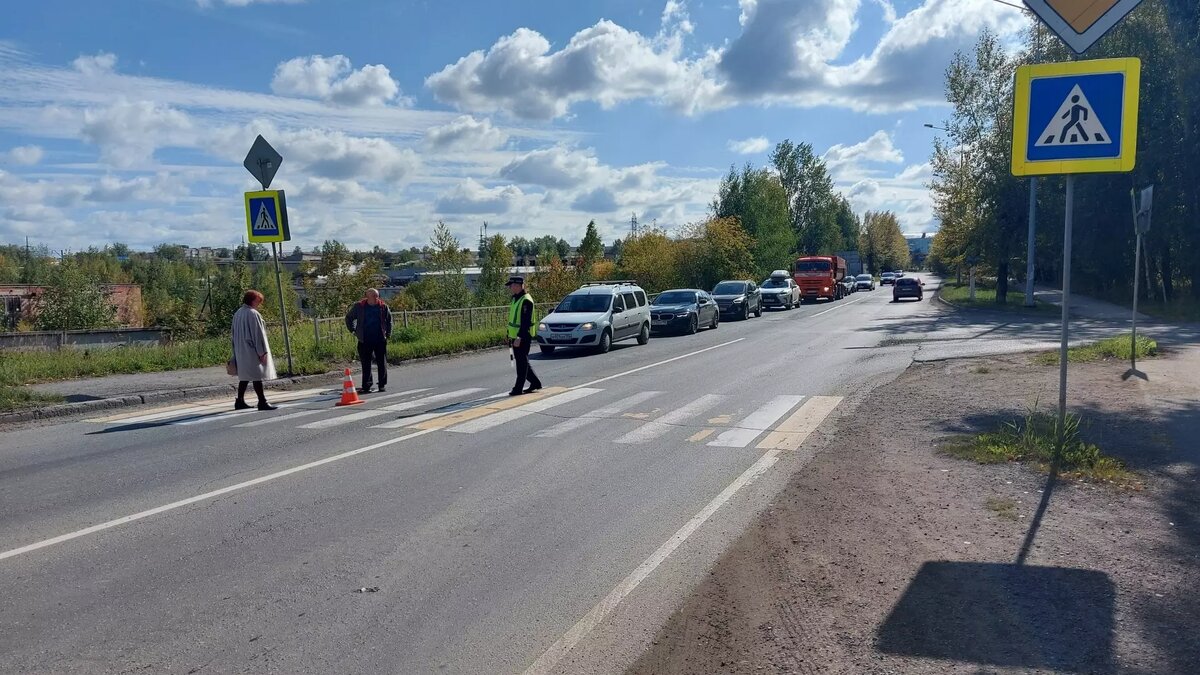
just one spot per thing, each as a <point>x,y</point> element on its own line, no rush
<point>515,280</point>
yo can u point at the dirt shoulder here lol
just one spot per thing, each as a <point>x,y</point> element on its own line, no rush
<point>883,556</point>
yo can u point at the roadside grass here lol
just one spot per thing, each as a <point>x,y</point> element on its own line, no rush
<point>985,297</point>
<point>1110,348</point>
<point>308,357</point>
<point>1184,307</point>
<point>15,398</point>
<point>1032,439</point>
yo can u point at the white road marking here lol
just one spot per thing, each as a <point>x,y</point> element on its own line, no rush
<point>757,422</point>
<point>504,416</point>
<point>566,427</point>
<point>655,365</point>
<point>655,428</point>
<point>308,413</point>
<point>546,663</point>
<point>792,432</point>
<point>399,407</point>
<point>441,412</point>
<point>201,497</point>
<point>833,309</point>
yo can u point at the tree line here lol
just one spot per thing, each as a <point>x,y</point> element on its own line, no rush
<point>984,209</point>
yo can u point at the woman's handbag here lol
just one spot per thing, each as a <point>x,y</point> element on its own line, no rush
<point>231,367</point>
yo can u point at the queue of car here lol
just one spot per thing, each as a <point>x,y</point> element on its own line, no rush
<point>602,313</point>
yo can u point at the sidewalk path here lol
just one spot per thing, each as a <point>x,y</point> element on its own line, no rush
<point>112,386</point>
<point>1089,308</point>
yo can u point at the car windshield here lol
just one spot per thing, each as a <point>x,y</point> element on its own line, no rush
<point>906,282</point>
<point>676,298</point>
<point>775,283</point>
<point>730,288</point>
<point>887,275</point>
<point>864,277</point>
<point>585,303</point>
<point>812,266</point>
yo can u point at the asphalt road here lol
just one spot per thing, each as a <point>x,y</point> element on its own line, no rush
<point>556,535</point>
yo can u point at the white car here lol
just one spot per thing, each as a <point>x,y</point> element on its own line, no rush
<point>780,290</point>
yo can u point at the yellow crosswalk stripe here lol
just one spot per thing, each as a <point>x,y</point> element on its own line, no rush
<point>793,431</point>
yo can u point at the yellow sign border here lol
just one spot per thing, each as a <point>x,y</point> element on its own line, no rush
<point>1131,67</point>
<point>259,239</point>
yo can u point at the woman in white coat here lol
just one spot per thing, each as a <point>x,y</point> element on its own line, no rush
<point>251,351</point>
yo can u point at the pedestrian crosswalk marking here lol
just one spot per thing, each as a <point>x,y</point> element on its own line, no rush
<point>757,422</point>
<point>444,421</point>
<point>308,413</point>
<point>701,435</point>
<point>720,419</point>
<point>655,428</point>
<point>792,432</point>
<point>399,407</point>
<point>440,412</point>
<point>607,412</point>
<point>505,416</point>
<point>201,407</point>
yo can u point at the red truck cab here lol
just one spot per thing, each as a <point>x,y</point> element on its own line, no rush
<point>818,276</point>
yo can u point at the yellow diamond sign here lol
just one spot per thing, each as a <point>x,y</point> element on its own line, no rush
<point>1080,23</point>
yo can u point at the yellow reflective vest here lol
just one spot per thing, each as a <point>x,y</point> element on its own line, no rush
<point>514,317</point>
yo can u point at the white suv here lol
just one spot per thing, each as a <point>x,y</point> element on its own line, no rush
<point>596,316</point>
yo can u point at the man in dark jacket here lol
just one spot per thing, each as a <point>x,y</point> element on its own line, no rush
<point>371,322</point>
<point>521,331</point>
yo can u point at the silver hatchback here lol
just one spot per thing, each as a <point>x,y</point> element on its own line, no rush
<point>596,316</point>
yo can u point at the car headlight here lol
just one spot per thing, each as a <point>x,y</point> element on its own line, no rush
<point>826,289</point>
<point>587,326</point>
<point>738,301</point>
<point>542,327</point>
<point>681,315</point>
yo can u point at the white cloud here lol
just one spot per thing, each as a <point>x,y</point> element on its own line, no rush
<point>129,133</point>
<point>332,154</point>
<point>98,64</point>
<point>25,155</point>
<point>876,149</point>
<point>600,200</point>
<point>556,167</point>
<point>470,197</point>
<point>466,133</point>
<point>334,79</point>
<point>160,188</point>
<point>606,63</point>
<point>749,146</point>
<point>330,191</point>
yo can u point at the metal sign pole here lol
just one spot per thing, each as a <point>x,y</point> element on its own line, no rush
<point>1066,313</point>
<point>287,340</point>
<point>1137,262</point>
<point>1029,293</point>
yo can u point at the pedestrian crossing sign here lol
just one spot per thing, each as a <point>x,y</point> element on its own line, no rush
<point>266,217</point>
<point>1076,117</point>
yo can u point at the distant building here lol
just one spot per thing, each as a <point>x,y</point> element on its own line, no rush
<point>19,302</point>
<point>854,262</point>
<point>918,249</point>
<point>472,274</point>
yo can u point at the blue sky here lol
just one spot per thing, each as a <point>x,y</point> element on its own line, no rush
<point>126,120</point>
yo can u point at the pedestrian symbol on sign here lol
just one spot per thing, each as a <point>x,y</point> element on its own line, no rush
<point>263,224</point>
<point>1075,123</point>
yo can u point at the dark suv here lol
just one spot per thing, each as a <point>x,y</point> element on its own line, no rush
<point>907,287</point>
<point>738,299</point>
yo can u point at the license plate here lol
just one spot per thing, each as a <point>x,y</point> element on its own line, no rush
<point>560,339</point>
<point>658,323</point>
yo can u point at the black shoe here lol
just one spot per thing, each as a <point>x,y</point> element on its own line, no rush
<point>241,405</point>
<point>382,388</point>
<point>263,405</point>
<point>364,390</point>
<point>515,392</point>
<point>532,388</point>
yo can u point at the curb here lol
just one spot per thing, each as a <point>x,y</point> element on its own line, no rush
<point>164,396</point>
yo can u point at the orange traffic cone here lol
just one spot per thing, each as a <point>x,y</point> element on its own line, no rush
<point>349,394</point>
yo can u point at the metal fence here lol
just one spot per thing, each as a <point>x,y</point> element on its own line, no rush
<point>83,339</point>
<point>333,330</point>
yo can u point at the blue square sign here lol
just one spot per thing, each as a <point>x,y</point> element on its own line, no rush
<point>266,216</point>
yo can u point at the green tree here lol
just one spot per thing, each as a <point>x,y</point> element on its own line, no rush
<point>591,249</point>
<point>810,194</point>
<point>74,300</point>
<point>714,250</point>
<point>882,244</point>
<point>651,258</point>
<point>496,261</point>
<point>553,282</point>
<point>757,198</point>
<point>448,259</point>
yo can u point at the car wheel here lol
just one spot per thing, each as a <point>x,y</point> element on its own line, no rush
<point>745,312</point>
<point>546,349</point>
<point>693,325</point>
<point>758,312</point>
<point>644,335</point>
<point>605,342</point>
<point>716,320</point>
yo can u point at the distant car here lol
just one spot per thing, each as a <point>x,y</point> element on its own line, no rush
<point>849,285</point>
<point>780,290</point>
<point>684,310</point>
<point>740,298</point>
<point>887,278</point>
<point>899,274</point>
<point>864,282</point>
<point>907,287</point>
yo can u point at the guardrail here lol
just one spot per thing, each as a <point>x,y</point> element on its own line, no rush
<point>45,340</point>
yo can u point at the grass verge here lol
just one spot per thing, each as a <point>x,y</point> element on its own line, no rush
<point>1032,440</point>
<point>985,298</point>
<point>1111,348</point>
<point>308,356</point>
<point>15,398</point>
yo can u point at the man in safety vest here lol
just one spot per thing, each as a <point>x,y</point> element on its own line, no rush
<point>521,331</point>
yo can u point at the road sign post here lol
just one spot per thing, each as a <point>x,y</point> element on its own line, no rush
<point>267,219</point>
<point>1030,300</point>
<point>1071,118</point>
<point>1141,223</point>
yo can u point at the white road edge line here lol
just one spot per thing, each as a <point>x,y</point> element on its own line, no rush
<point>199,498</point>
<point>546,663</point>
<point>833,309</point>
<point>655,365</point>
